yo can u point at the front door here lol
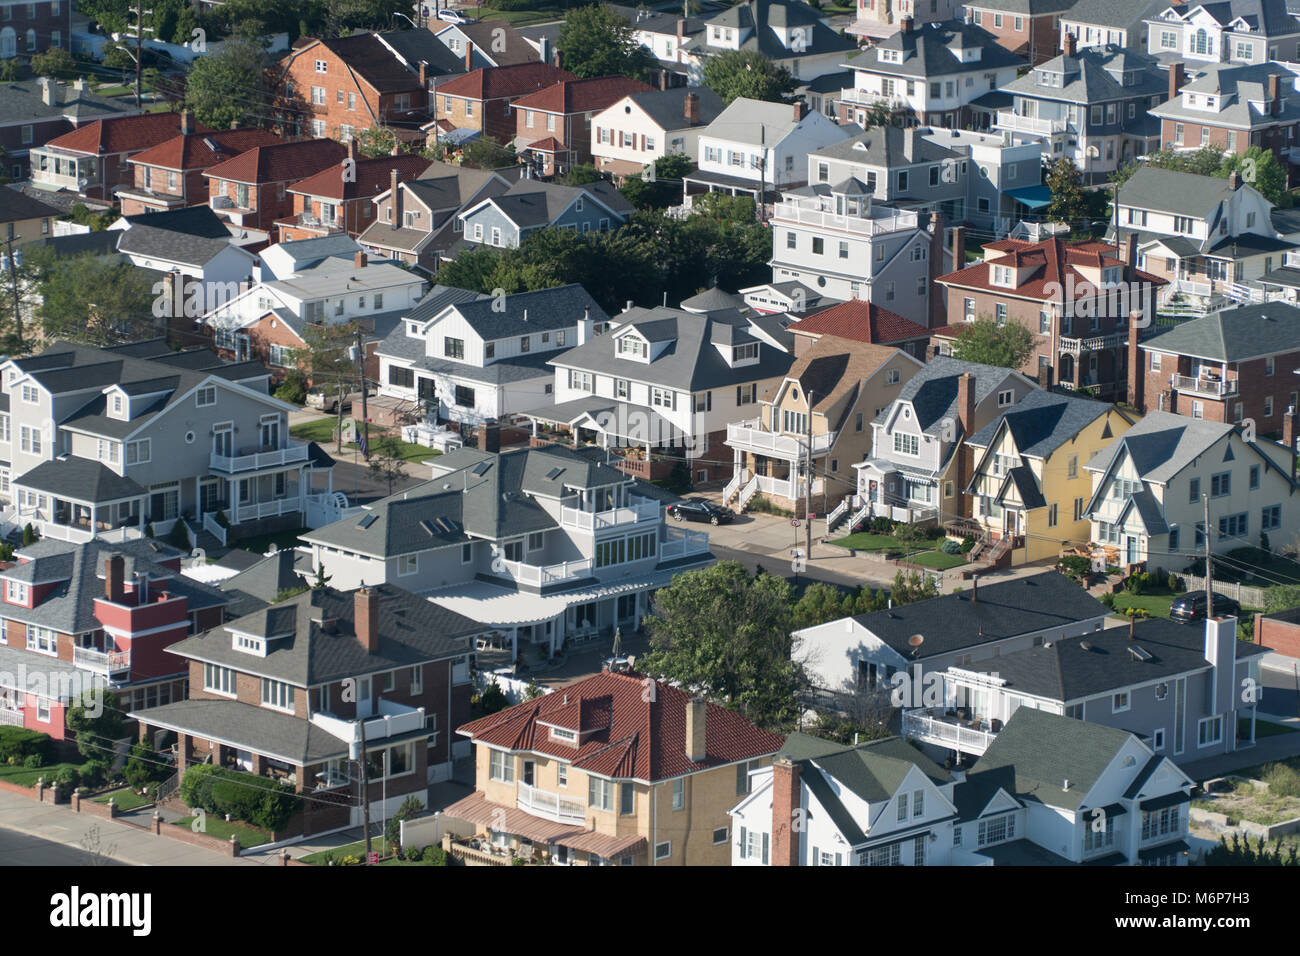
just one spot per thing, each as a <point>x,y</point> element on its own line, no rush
<point>222,442</point>
<point>530,768</point>
<point>1131,549</point>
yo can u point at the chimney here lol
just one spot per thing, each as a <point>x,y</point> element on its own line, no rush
<point>906,24</point>
<point>352,150</point>
<point>1132,627</point>
<point>785,806</point>
<point>696,710</point>
<point>185,122</point>
<point>585,326</point>
<point>681,31</point>
<point>1290,428</point>
<point>559,60</point>
<point>544,49</point>
<point>367,619</point>
<point>1068,43</point>
<point>663,79</point>
<point>966,402</point>
<point>1274,94</point>
<point>424,74</point>
<point>1128,252</point>
<point>692,109</point>
<point>47,90</point>
<point>395,200</point>
<point>909,142</point>
<point>1234,181</point>
<point>469,57</point>
<point>115,579</point>
<point>800,110</point>
<point>975,589</point>
<point>1175,79</point>
<point>359,259</point>
<point>1136,366</point>
<point>934,267</point>
<point>958,247</point>
<point>1221,652</point>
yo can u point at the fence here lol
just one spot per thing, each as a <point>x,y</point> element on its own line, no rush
<point>1243,594</point>
<point>429,831</point>
<point>512,687</point>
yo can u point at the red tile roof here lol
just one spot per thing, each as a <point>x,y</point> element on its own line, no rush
<point>282,162</point>
<point>1054,261</point>
<point>623,733</point>
<point>581,96</point>
<point>493,82</point>
<point>123,134</point>
<point>372,177</point>
<point>194,152</point>
<point>861,321</point>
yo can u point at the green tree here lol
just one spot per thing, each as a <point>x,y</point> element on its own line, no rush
<point>55,61</point>
<point>20,297</point>
<point>1259,168</point>
<point>9,71</point>
<point>581,175</point>
<point>747,73</point>
<point>96,301</point>
<point>727,635</point>
<point>229,87</point>
<point>819,603</point>
<point>376,141</point>
<point>596,41</point>
<point>96,721</point>
<point>1066,184</point>
<point>985,341</point>
<point>660,186</point>
<point>913,587</point>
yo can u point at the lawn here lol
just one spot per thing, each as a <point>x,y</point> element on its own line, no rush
<point>1155,601</point>
<point>27,777</point>
<point>357,849</point>
<point>518,18</point>
<point>869,541</point>
<point>124,799</point>
<point>938,560</point>
<point>1265,728</point>
<point>214,826</point>
<point>261,543</point>
<point>321,431</point>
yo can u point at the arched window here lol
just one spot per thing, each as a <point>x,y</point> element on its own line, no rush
<point>8,43</point>
<point>31,41</point>
<point>1200,41</point>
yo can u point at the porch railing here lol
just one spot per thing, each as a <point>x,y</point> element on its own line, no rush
<point>551,805</point>
<point>214,528</point>
<point>101,662</point>
<point>747,492</point>
<point>919,725</point>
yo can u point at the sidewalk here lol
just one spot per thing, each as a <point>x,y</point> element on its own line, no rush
<point>1266,750</point>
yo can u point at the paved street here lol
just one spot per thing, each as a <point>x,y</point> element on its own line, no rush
<point>23,849</point>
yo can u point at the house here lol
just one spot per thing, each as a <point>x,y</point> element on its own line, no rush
<point>1090,105</point>
<point>418,220</point>
<point>1110,23</point>
<point>786,299</point>
<point>95,616</point>
<point>601,773</point>
<point>642,127</point>
<point>291,691</point>
<point>1078,298</point>
<point>663,384</point>
<point>860,321</point>
<point>666,35</point>
<point>1152,486</point>
<point>1003,184</point>
<point>1027,483</point>
<point>873,650</point>
<point>790,33</point>
<point>927,75</point>
<point>881,19</point>
<point>473,358</point>
<point>170,175</point>
<point>553,125</point>
<point>1028,28</point>
<point>1235,31</point>
<point>486,43</point>
<point>1231,107</point>
<point>86,423</point>
<point>1206,237</point>
<point>262,583</point>
<point>816,421</point>
<point>919,466</point>
<point>756,148</point>
<point>251,190</point>
<point>34,112</point>
<point>546,547</point>
<point>342,197</point>
<point>1234,365</point>
<point>1178,687</point>
<point>92,160</point>
<point>503,220</point>
<point>24,218</point>
<point>35,28</point>
<point>295,255</point>
<point>481,100</point>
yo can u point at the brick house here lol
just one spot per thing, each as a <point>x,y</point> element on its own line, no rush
<point>341,198</point>
<point>481,100</point>
<point>282,692</point>
<point>170,176</point>
<point>1228,366</point>
<point>602,773</point>
<point>92,160</point>
<point>1030,28</point>
<point>252,189</point>
<point>63,632</point>
<point>34,27</point>
<point>553,126</point>
<point>1075,297</point>
<point>1231,108</point>
<point>33,112</point>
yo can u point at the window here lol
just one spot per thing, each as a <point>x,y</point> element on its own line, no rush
<point>277,694</point>
<point>1234,526</point>
<point>743,770</point>
<point>501,767</point>
<point>1194,490</point>
<point>582,381</point>
<point>408,563</point>
<point>1221,484</point>
<point>1006,398</point>
<point>905,444</point>
<point>1270,519</point>
<point>1254,477</point>
<point>600,793</point>
<point>679,802</point>
<point>1209,731</point>
<point>663,850</point>
<point>29,439</point>
<point>453,348</point>
<point>108,451</point>
<point>467,552</point>
<point>997,830</point>
<point>206,396</point>
<point>464,396</point>
<point>1119,702</point>
<point>219,680</point>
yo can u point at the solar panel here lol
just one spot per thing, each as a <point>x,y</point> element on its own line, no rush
<point>367,521</point>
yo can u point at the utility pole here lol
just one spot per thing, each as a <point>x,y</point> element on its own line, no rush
<point>808,477</point>
<point>365,416</point>
<point>139,29</point>
<point>762,168</point>
<point>1209,571</point>
<point>365,781</point>
<point>13,258</point>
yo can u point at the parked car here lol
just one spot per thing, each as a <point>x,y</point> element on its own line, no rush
<point>700,509</point>
<point>328,401</point>
<point>1191,607</point>
<point>454,16</point>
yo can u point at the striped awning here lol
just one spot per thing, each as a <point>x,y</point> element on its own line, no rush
<point>478,809</point>
<point>604,845</point>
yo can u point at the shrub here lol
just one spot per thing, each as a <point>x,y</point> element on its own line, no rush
<point>293,389</point>
<point>33,761</point>
<point>18,743</point>
<point>967,543</point>
<point>143,767</point>
<point>435,856</point>
<point>1075,566</point>
<point>67,778</point>
<point>30,537</point>
<point>1175,583</point>
<point>413,854</point>
<point>350,861</point>
<point>1108,599</point>
<point>94,773</point>
<point>196,785</point>
<point>950,546</point>
<point>1283,781</point>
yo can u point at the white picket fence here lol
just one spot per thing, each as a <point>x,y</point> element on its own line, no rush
<point>1243,594</point>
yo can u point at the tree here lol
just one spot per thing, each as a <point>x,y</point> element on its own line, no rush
<point>55,61</point>
<point>386,462</point>
<point>322,579</point>
<point>986,342</point>
<point>96,721</point>
<point>376,141</point>
<point>819,603</point>
<point>660,186</point>
<point>910,588</point>
<point>725,634</point>
<point>747,73</point>
<point>228,87</point>
<point>1066,184</point>
<point>96,301</point>
<point>294,387</point>
<point>1259,168</point>
<point>596,41</point>
<point>9,71</point>
<point>20,296</point>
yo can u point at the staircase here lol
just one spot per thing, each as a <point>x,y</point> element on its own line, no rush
<point>733,486</point>
<point>747,492</point>
<point>839,511</point>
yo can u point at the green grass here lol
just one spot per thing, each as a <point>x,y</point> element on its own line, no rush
<point>261,543</point>
<point>869,541</point>
<point>27,777</point>
<point>1265,728</point>
<point>318,430</point>
<point>1156,602</point>
<point>357,849</point>
<point>517,18</point>
<point>321,431</point>
<point>214,826</point>
<point>124,799</point>
<point>938,560</point>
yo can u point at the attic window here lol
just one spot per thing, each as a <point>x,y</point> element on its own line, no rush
<point>249,645</point>
<point>568,736</point>
<point>117,404</point>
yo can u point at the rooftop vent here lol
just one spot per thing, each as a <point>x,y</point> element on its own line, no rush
<point>554,473</point>
<point>367,521</point>
<point>481,469</point>
<point>1139,653</point>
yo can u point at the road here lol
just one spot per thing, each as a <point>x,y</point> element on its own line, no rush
<point>21,849</point>
<point>1280,697</point>
<point>362,487</point>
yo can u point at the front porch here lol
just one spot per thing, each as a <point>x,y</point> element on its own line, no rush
<point>542,827</point>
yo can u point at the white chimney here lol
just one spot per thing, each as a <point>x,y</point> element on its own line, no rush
<point>585,327</point>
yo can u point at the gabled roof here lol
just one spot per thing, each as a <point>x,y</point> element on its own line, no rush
<point>282,162</point>
<point>201,150</point>
<point>757,121</point>
<point>1042,422</point>
<point>927,51</point>
<point>258,586</point>
<point>22,101</point>
<point>667,108</point>
<point>526,312</point>
<point>1094,74</point>
<point>890,147</point>
<point>832,367</point>
<point>413,45</point>
<point>1053,268</point>
<point>933,390</point>
<point>122,134</point>
<point>496,40</point>
<point>198,221</point>
<point>1270,17</point>
<point>1236,86</point>
<point>368,57</point>
<point>1114,13</point>
<point>861,321</point>
<point>1166,190</point>
<point>177,247</point>
<point>1162,444</point>
<point>624,732</point>
<point>580,96</point>
<point>760,19</point>
<point>368,178</point>
<point>1234,335</point>
<point>531,203</point>
<point>494,82</point>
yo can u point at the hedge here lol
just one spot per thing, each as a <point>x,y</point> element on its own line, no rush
<point>245,796</point>
<point>18,743</point>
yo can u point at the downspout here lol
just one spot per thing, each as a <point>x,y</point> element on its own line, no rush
<point>654,822</point>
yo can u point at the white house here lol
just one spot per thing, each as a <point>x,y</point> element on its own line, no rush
<point>631,134</point>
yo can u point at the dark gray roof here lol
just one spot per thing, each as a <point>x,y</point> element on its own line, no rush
<point>530,203</point>
<point>199,221</point>
<point>1165,190</point>
<point>23,102</point>
<point>1032,7</point>
<point>16,206</point>
<point>412,630</point>
<point>933,390</point>
<point>928,51</point>
<point>414,45</point>
<point>1123,14</point>
<point>1235,335</point>
<point>248,727</point>
<point>888,147</point>
<point>1093,75</point>
<point>80,479</point>
<point>668,107</point>
<point>257,586</point>
<point>1042,422</point>
<point>436,300</point>
<point>541,311</point>
<point>954,622</point>
<point>1236,86</point>
<point>1162,444</point>
<point>1270,17</point>
<point>759,18</point>
<point>171,246</point>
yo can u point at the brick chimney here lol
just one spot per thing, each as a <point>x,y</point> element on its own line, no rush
<point>966,403</point>
<point>395,200</point>
<point>1274,94</point>
<point>663,79</point>
<point>785,806</point>
<point>185,122</point>
<point>367,619</point>
<point>352,149</point>
<point>1068,43</point>
<point>1234,181</point>
<point>115,579</point>
<point>559,60</point>
<point>469,57</point>
<point>359,259</point>
<point>1136,367</point>
<point>800,110</point>
<point>1128,252</point>
<point>696,712</point>
<point>1290,429</point>
<point>974,589</point>
<point>906,24</point>
<point>934,267</point>
<point>909,142</point>
<point>424,74</point>
<point>958,248</point>
<point>681,31</point>
<point>693,109</point>
<point>965,454</point>
<point>1176,77</point>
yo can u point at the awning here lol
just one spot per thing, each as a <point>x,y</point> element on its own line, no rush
<point>603,844</point>
<point>1168,800</point>
<point>1035,197</point>
<point>1164,849</point>
<point>478,809</point>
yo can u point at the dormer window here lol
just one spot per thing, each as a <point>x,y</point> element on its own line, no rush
<point>117,404</point>
<point>633,347</point>
<point>1004,276</point>
<point>16,592</point>
<point>249,644</point>
<point>741,353</point>
<point>564,735</point>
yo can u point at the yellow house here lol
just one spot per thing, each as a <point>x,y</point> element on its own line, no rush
<point>617,770</point>
<point>830,396</point>
<point>1029,478</point>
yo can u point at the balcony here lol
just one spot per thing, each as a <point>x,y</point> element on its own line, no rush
<point>552,806</point>
<point>59,171</point>
<point>393,720</point>
<point>870,225</point>
<point>932,727</point>
<point>1095,343</point>
<point>1209,387</point>
<point>107,663</point>
<point>309,221</point>
<point>541,575</point>
<point>683,543</point>
<point>253,459</point>
<point>256,510</point>
<point>637,510</point>
<point>1028,124</point>
<point>10,718</point>
<point>751,436</point>
<point>866,98</point>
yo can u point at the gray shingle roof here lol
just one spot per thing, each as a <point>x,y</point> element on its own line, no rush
<point>23,102</point>
<point>248,727</point>
<point>525,312</point>
<point>1235,85</point>
<point>1042,422</point>
<point>531,203</point>
<point>80,479</point>
<point>888,147</point>
<point>16,206</point>
<point>761,17</point>
<point>1162,444</point>
<point>1165,190</point>
<point>1123,14</point>
<point>257,586</point>
<point>668,107</point>
<point>1235,335</point>
<point>1093,75</point>
<point>933,390</point>
<point>1271,17</point>
<point>171,246</point>
<point>928,51</point>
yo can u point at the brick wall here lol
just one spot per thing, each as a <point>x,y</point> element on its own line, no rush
<point>1280,635</point>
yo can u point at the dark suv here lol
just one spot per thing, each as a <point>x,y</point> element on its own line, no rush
<point>700,509</point>
<point>1191,607</point>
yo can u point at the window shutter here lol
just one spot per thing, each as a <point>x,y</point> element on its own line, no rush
<point>765,848</point>
<point>816,856</point>
<point>737,394</point>
<point>743,844</point>
<point>838,859</point>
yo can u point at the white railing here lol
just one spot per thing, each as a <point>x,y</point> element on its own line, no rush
<point>837,512</point>
<point>851,94</point>
<point>1186,287</point>
<point>265,509</point>
<point>733,486</point>
<point>213,527</point>
<point>747,492</point>
<point>680,543</point>
<point>918,725</point>
<point>329,506</point>
<point>787,487</point>
<point>191,535</point>
<point>552,806</point>
<point>11,718</point>
<point>541,575</point>
<point>1096,343</point>
<point>1028,124</point>
<point>65,532</point>
<point>392,720</point>
<point>1244,292</point>
<point>641,509</point>
<point>291,453</point>
<point>869,225</point>
<point>753,435</point>
<point>101,662</point>
<point>1203,386</point>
